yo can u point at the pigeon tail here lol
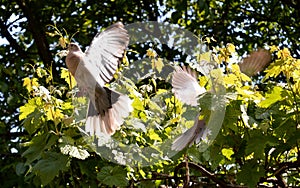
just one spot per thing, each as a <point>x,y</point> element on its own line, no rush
<point>108,120</point>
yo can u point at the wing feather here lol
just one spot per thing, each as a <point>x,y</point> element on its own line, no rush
<point>107,50</point>
<point>255,62</point>
<point>185,86</point>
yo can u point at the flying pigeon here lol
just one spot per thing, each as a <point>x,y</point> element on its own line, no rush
<point>187,89</point>
<point>93,70</point>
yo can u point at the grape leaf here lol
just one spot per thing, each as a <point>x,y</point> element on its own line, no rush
<point>272,97</point>
<point>250,173</point>
<point>50,165</point>
<point>113,176</point>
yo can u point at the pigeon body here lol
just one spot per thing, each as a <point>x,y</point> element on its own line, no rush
<point>95,68</point>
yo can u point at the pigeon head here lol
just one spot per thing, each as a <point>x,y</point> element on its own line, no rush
<point>73,47</point>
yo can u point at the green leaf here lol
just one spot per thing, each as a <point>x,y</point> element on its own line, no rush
<point>258,142</point>
<point>37,145</point>
<point>154,107</point>
<point>195,154</point>
<point>272,97</point>
<point>232,115</point>
<point>50,165</point>
<point>113,176</point>
<point>250,173</point>
<point>146,184</point>
<point>214,156</point>
<point>20,169</point>
<point>33,121</point>
<point>227,152</point>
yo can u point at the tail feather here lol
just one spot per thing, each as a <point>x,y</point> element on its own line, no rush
<point>112,118</point>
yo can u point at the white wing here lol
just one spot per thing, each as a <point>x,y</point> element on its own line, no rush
<point>185,86</point>
<point>106,50</point>
<point>193,135</point>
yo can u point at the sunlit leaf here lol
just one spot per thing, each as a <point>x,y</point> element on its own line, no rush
<point>68,77</point>
<point>41,72</point>
<point>272,97</point>
<point>227,152</point>
<point>154,136</point>
<point>74,151</point>
<point>151,53</point>
<point>230,47</point>
<point>137,104</point>
<point>157,64</point>
<point>29,83</point>
<point>230,79</point>
<point>204,56</point>
<point>62,42</point>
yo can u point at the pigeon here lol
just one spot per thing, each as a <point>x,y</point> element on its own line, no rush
<point>187,89</point>
<point>93,70</point>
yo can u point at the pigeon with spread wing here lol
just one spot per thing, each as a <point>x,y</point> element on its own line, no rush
<point>95,68</point>
<point>187,89</point>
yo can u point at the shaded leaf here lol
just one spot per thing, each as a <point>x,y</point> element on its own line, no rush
<point>49,167</point>
<point>250,173</point>
<point>113,176</point>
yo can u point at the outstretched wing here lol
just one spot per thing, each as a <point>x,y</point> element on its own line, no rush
<point>107,50</point>
<point>193,135</point>
<point>255,62</point>
<point>185,86</point>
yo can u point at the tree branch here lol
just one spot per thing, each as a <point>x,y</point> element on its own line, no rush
<point>35,27</point>
<point>203,171</point>
<point>12,41</point>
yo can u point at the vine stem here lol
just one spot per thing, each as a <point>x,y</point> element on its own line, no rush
<point>187,171</point>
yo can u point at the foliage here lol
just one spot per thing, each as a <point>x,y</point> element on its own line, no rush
<point>259,139</point>
<point>256,141</point>
<point>247,24</point>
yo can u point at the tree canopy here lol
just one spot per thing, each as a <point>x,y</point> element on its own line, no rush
<point>259,139</point>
